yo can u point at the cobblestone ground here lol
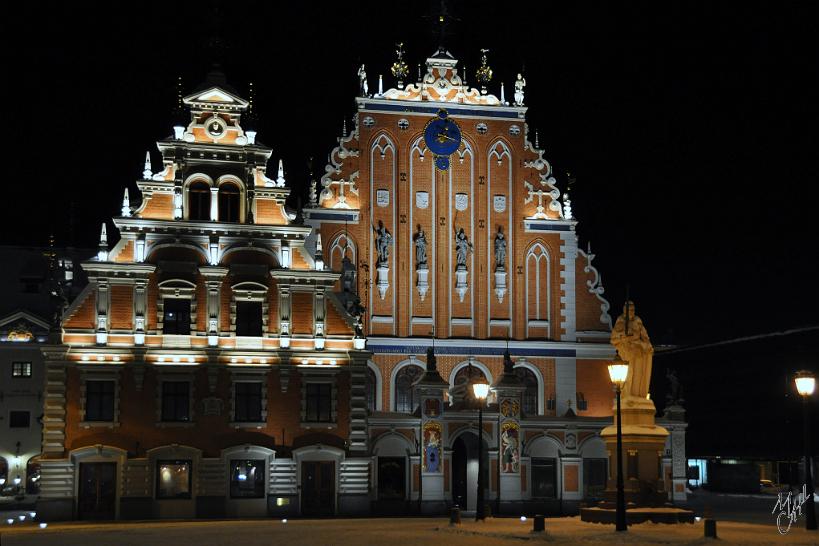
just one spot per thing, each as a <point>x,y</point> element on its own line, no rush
<point>392,532</point>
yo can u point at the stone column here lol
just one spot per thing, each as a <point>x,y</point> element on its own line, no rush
<point>214,276</point>
<point>103,297</point>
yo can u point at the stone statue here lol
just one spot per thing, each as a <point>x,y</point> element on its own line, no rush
<point>500,251</point>
<point>631,340</point>
<point>520,83</point>
<point>383,241</point>
<point>420,249</point>
<point>362,82</point>
<point>462,248</point>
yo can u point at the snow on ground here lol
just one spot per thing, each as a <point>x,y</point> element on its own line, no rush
<point>391,532</point>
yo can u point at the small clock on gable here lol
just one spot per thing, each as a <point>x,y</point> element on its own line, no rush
<point>443,137</point>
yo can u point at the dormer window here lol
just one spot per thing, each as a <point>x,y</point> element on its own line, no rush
<point>229,205</point>
<point>199,201</point>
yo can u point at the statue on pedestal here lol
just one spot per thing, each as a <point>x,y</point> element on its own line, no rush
<point>362,82</point>
<point>462,248</point>
<point>631,340</point>
<point>383,240</point>
<point>420,249</point>
<point>500,250</point>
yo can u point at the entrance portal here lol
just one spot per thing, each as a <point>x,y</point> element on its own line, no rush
<point>97,491</point>
<point>392,485</point>
<point>465,471</point>
<point>318,488</point>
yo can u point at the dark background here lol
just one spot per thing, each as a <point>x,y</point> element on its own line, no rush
<point>689,126</point>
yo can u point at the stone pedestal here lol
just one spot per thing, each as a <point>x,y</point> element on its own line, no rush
<point>423,281</point>
<point>643,449</point>
<point>460,282</point>
<point>383,280</point>
<point>500,283</point>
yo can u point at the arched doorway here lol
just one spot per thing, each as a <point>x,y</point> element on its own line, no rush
<point>465,471</point>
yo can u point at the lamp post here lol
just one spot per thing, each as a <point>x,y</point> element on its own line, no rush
<point>481,389</point>
<point>618,372</point>
<point>805,385</point>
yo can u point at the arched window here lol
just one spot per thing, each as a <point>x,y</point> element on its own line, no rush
<point>537,289</point>
<point>199,201</point>
<point>372,393</point>
<point>404,396</point>
<point>229,202</point>
<point>530,395</point>
<point>463,380</point>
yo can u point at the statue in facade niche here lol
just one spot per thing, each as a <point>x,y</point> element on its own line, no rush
<point>631,340</point>
<point>500,250</point>
<point>362,81</point>
<point>462,248</point>
<point>383,241</point>
<point>420,249</point>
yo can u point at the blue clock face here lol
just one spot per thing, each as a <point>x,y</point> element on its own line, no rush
<point>442,137</point>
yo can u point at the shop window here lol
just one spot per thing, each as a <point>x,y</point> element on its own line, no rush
<point>249,318</point>
<point>99,401</point>
<point>19,419</point>
<point>248,402</point>
<point>199,201</point>
<point>176,401</point>
<point>247,479</point>
<point>177,316</point>
<point>319,403</point>
<point>544,477</point>
<point>21,369</point>
<point>173,479</point>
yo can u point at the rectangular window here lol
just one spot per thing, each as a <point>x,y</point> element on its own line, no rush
<point>249,318</point>
<point>177,316</point>
<point>247,479</point>
<point>21,369</point>
<point>173,479</point>
<point>544,477</point>
<point>319,402</point>
<point>176,401</point>
<point>19,419</point>
<point>595,475</point>
<point>99,401</point>
<point>248,402</point>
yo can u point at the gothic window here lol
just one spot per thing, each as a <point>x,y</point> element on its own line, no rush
<point>537,285</point>
<point>319,403</point>
<point>247,402</point>
<point>404,396</point>
<point>177,316</point>
<point>464,379</point>
<point>199,201</point>
<point>372,384</point>
<point>249,318</point>
<point>229,203</point>
<point>530,395</point>
<point>176,401</point>
<point>99,401</point>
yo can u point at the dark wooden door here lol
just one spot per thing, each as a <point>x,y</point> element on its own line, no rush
<point>318,488</point>
<point>97,491</point>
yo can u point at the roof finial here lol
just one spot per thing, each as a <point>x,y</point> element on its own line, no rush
<point>344,127</point>
<point>147,173</point>
<point>537,142</point>
<point>280,178</point>
<point>179,112</point>
<point>503,95</point>
<point>319,257</point>
<point>102,253</point>
<point>399,68</point>
<point>380,85</point>
<point>126,205</point>
<point>250,118</point>
<point>484,72</point>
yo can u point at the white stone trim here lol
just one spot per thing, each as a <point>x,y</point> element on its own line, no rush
<point>379,385</point>
<point>568,296</point>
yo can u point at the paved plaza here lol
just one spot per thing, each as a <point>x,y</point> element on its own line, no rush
<point>387,531</point>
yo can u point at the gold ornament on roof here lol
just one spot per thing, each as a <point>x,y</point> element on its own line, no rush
<point>399,68</point>
<point>484,72</point>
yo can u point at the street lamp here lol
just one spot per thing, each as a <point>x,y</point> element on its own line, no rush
<point>618,372</point>
<point>481,390</point>
<point>805,385</point>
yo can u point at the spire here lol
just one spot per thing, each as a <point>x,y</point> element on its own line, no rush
<point>537,142</point>
<point>178,116</point>
<point>126,204</point>
<point>344,127</point>
<point>280,178</point>
<point>102,253</point>
<point>147,172</point>
<point>319,256</point>
<point>567,200</point>
<point>250,118</point>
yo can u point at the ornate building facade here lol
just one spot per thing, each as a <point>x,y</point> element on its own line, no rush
<point>228,360</point>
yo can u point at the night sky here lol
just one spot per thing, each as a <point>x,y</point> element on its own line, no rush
<point>690,126</point>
